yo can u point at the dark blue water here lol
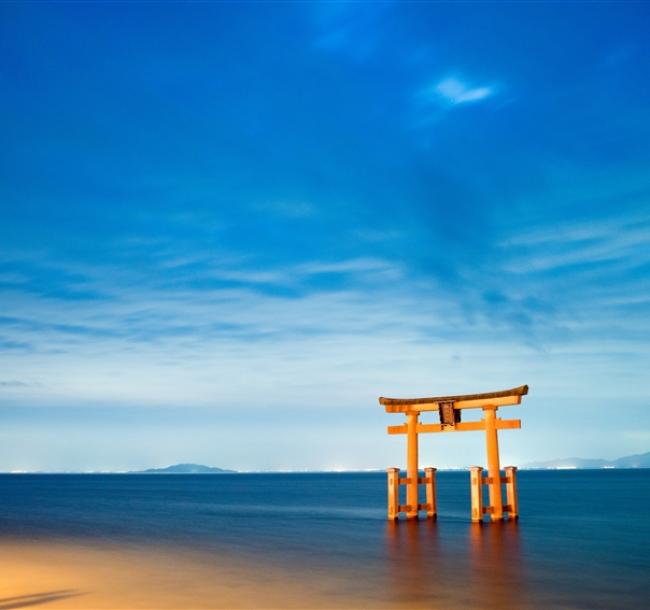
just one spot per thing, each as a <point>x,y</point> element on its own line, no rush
<point>582,540</point>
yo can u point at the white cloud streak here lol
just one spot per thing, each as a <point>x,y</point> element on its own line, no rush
<point>453,91</point>
<point>456,91</point>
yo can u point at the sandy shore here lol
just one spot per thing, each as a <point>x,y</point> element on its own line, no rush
<point>74,575</point>
<point>96,574</point>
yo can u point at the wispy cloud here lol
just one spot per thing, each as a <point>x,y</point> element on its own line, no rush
<point>361,269</point>
<point>357,265</point>
<point>455,91</point>
<point>16,384</point>
<point>622,240</point>
<point>433,102</point>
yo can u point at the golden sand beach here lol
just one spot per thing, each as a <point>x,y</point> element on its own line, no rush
<point>75,575</point>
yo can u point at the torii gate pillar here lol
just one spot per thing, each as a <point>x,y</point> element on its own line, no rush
<point>412,469</point>
<point>494,467</point>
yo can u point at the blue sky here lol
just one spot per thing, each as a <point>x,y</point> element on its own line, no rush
<point>226,229</point>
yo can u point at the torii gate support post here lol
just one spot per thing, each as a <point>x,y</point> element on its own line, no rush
<point>494,467</point>
<point>476,487</point>
<point>393,493</point>
<point>412,468</point>
<point>412,482</point>
<point>430,482</point>
<point>511,492</point>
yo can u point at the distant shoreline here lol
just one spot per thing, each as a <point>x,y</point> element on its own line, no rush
<point>292,472</point>
<point>637,461</point>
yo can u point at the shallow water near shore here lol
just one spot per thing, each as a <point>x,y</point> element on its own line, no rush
<point>319,540</point>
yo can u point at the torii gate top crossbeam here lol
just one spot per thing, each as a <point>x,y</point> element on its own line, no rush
<point>465,401</point>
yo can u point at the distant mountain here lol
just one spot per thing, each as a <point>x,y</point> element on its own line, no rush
<point>184,469</point>
<point>640,460</point>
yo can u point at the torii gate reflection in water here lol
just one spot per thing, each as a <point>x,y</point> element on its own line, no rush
<point>449,409</point>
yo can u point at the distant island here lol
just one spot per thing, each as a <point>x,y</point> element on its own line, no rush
<point>184,469</point>
<point>640,460</point>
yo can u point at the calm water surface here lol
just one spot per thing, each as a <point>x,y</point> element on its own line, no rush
<point>582,540</point>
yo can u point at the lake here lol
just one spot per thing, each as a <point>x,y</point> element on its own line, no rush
<point>582,539</point>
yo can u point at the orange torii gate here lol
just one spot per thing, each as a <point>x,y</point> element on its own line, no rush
<point>449,409</point>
